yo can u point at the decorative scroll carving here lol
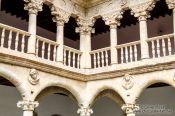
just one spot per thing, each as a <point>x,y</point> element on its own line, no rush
<point>85,25</point>
<point>85,111</point>
<point>33,6</point>
<point>60,16</point>
<point>130,108</point>
<point>127,82</point>
<point>33,78</point>
<point>113,18</point>
<point>27,105</point>
<point>141,11</point>
<point>171,4</point>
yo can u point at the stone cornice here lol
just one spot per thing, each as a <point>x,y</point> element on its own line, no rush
<point>83,74</point>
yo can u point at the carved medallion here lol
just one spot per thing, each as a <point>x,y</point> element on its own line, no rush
<point>127,82</point>
<point>33,78</point>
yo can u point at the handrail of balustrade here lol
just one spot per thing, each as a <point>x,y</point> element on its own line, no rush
<point>46,40</point>
<point>100,50</point>
<point>159,37</point>
<point>128,44</point>
<point>72,49</point>
<point>14,29</point>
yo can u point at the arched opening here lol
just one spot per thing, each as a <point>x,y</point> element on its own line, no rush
<point>157,100</point>
<point>107,102</point>
<point>61,102</point>
<point>9,98</point>
<point>101,35</point>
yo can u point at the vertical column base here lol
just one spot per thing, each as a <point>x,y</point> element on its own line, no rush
<point>27,113</point>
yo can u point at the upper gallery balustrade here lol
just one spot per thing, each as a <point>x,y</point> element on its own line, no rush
<point>115,55</point>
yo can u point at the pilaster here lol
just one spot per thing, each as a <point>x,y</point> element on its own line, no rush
<point>113,20</point>
<point>85,29</point>
<point>28,107</point>
<point>130,109</point>
<point>60,17</point>
<point>33,7</point>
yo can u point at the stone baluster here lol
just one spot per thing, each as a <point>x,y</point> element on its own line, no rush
<point>85,29</point>
<point>60,17</point>
<point>28,107</point>
<point>33,7</point>
<point>141,11</point>
<point>84,111</point>
<point>113,20</point>
<point>171,5</point>
<point>130,109</point>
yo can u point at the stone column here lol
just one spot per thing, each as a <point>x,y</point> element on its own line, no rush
<point>85,29</point>
<point>130,109</point>
<point>60,17</point>
<point>141,11</point>
<point>171,5</point>
<point>28,107</point>
<point>33,6</point>
<point>143,36</point>
<point>113,20</point>
<point>85,111</point>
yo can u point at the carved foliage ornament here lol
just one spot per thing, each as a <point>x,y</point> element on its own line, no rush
<point>27,105</point>
<point>171,4</point>
<point>85,25</point>
<point>33,6</point>
<point>130,108</point>
<point>60,16</point>
<point>33,78</point>
<point>127,82</point>
<point>141,11</point>
<point>113,18</point>
<point>84,111</point>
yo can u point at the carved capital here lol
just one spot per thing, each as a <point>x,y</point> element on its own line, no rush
<point>85,26</point>
<point>27,105</point>
<point>171,4</point>
<point>85,111</point>
<point>130,108</point>
<point>113,18</point>
<point>127,82</point>
<point>60,16</point>
<point>33,78</point>
<point>141,11</point>
<point>33,6</point>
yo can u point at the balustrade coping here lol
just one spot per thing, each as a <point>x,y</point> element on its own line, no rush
<point>14,29</point>
<point>128,44</point>
<point>72,49</point>
<point>160,37</point>
<point>100,50</point>
<point>47,40</point>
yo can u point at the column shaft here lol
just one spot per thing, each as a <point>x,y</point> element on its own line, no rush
<point>131,114</point>
<point>143,38</point>
<point>113,43</point>
<point>27,113</point>
<point>85,48</point>
<point>174,24</point>
<point>60,40</point>
<point>32,30</point>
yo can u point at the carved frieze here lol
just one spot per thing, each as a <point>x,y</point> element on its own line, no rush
<point>59,16</point>
<point>33,6</point>
<point>85,25</point>
<point>127,82</point>
<point>33,78</point>
<point>141,11</point>
<point>130,108</point>
<point>27,105</point>
<point>171,4</point>
<point>85,111</point>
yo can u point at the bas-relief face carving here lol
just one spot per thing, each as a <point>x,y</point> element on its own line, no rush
<point>127,82</point>
<point>33,78</point>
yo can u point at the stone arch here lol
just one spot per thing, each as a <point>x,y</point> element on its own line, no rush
<point>152,82</point>
<point>55,88</point>
<point>13,78</point>
<point>107,92</point>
